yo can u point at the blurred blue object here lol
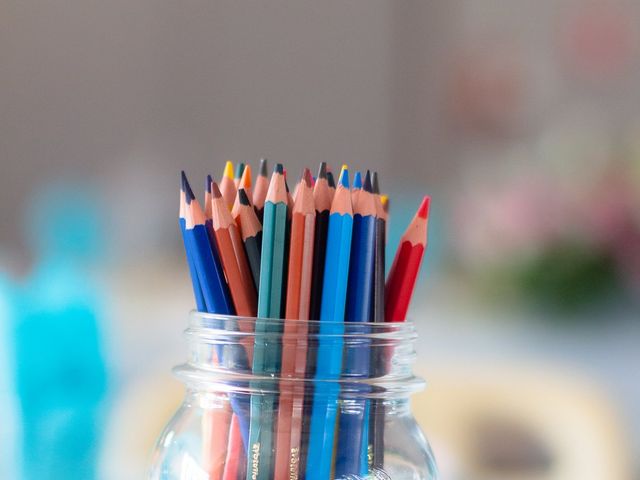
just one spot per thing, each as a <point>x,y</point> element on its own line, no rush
<point>9,426</point>
<point>64,221</point>
<point>61,374</point>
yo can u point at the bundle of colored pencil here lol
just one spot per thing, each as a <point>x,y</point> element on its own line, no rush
<point>257,250</point>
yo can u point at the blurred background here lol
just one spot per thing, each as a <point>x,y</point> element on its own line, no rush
<point>520,118</point>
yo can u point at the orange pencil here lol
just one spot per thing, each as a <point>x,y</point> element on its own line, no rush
<point>294,351</point>
<point>234,262</point>
<point>227,185</point>
<point>246,181</point>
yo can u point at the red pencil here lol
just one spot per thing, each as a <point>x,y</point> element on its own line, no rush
<point>406,264</point>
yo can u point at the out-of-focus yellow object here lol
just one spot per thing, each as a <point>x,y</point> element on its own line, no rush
<point>498,423</point>
<point>135,423</point>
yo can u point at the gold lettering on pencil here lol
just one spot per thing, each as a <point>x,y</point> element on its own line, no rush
<point>255,457</point>
<point>294,458</point>
<point>370,456</point>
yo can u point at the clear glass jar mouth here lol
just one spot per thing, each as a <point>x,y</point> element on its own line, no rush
<point>209,325</point>
<point>212,381</point>
<point>360,360</point>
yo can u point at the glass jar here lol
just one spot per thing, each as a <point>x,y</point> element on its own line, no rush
<point>332,401</point>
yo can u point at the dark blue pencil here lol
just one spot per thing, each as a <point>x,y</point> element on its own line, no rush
<point>351,458</point>
<point>216,296</point>
<point>197,290</point>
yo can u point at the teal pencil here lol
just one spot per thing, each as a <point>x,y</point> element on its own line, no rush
<point>266,355</point>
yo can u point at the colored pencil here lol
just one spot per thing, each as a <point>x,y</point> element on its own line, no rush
<point>266,358</point>
<point>251,231</point>
<point>246,181</point>
<point>379,270</point>
<point>353,424</point>
<point>235,264</point>
<point>294,348</point>
<point>261,188</point>
<point>197,291</point>
<point>238,174</point>
<point>385,203</point>
<point>376,429</point>
<point>210,275</point>
<point>406,264</point>
<point>227,185</point>
<point>235,462</point>
<point>232,254</point>
<point>216,295</point>
<point>289,195</point>
<point>329,362</point>
<point>322,200</point>
<point>214,440</point>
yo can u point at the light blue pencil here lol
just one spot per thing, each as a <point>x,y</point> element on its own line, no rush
<point>329,359</point>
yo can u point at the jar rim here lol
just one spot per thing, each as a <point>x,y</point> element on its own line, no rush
<point>204,324</point>
<point>386,348</point>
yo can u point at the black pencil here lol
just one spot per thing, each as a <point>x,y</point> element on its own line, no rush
<point>322,199</point>
<point>376,425</point>
<point>251,231</point>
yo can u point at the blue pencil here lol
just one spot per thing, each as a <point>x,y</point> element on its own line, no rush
<point>351,457</point>
<point>216,294</point>
<point>197,290</point>
<point>329,358</point>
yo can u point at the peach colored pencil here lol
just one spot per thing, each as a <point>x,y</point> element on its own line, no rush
<point>215,435</point>
<point>294,351</point>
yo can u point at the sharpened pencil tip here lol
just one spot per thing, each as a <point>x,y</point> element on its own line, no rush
<point>306,176</point>
<point>344,177</point>
<point>423,210</point>
<point>263,171</point>
<point>322,171</point>
<point>278,168</point>
<point>357,180</point>
<point>183,180</point>
<point>243,198</point>
<point>366,186</point>
<point>208,184</point>
<point>330,180</point>
<point>228,169</point>
<point>239,170</point>
<point>187,190</point>
<point>345,167</point>
<point>215,190</point>
<point>375,184</point>
<point>246,181</point>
